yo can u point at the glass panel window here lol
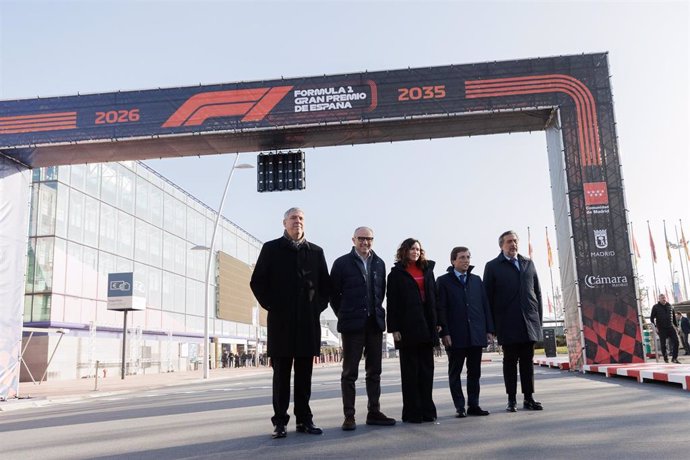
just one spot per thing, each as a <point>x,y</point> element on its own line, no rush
<point>108,233</point>
<point>141,241</point>
<point>43,276</point>
<point>78,177</point>
<point>47,200</point>
<point>156,206</point>
<point>30,266</point>
<point>106,265</point>
<point>28,299</point>
<point>73,279</point>
<point>109,183</point>
<point>41,308</point>
<point>168,288</point>
<point>168,251</point>
<point>90,275</point>
<point>153,288</point>
<point>61,211</point>
<point>155,246</point>
<point>59,264</point>
<point>33,215</point>
<point>142,200</point>
<point>126,189</point>
<point>91,221</point>
<point>93,179</point>
<point>168,212</point>
<point>50,173</point>
<point>75,229</point>
<point>63,174</point>
<point>125,234</point>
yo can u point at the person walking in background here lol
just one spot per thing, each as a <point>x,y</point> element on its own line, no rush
<point>664,319</point>
<point>512,288</point>
<point>358,286</point>
<point>291,281</point>
<point>411,304</point>
<point>466,327</point>
<point>684,323</point>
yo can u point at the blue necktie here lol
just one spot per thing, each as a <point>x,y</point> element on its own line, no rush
<point>516,263</point>
<point>463,278</point>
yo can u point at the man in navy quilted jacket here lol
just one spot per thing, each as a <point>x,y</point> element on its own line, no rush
<point>358,286</point>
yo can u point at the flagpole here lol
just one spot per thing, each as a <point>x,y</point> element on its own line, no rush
<point>553,293</point>
<point>687,253</point>
<point>633,244</point>
<point>668,256</point>
<point>656,287</point>
<point>682,268</point>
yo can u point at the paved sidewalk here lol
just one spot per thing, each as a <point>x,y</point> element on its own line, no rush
<point>52,391</point>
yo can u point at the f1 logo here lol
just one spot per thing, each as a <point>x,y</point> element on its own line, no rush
<point>254,104</point>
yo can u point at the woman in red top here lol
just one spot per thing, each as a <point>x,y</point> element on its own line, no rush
<point>411,308</point>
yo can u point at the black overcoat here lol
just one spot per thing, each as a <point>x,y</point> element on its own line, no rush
<point>292,284</point>
<point>407,314</point>
<point>515,300</point>
<point>463,311</point>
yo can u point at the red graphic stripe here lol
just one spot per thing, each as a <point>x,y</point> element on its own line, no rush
<point>545,86</point>
<point>582,105</point>
<point>374,95</point>
<point>266,103</point>
<point>38,122</point>
<point>254,103</point>
<point>588,129</point>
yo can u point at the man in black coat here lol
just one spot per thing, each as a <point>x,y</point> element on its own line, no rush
<point>664,319</point>
<point>466,325</point>
<point>358,285</point>
<point>290,281</point>
<point>512,287</point>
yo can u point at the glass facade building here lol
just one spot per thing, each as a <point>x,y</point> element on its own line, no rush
<point>91,220</point>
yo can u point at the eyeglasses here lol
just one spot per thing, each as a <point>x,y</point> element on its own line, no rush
<point>362,239</point>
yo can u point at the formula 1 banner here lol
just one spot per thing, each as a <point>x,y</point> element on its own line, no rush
<point>567,96</point>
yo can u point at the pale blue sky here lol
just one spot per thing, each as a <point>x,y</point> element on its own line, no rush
<point>443,192</point>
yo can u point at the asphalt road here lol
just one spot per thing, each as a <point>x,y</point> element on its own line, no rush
<point>585,416</point>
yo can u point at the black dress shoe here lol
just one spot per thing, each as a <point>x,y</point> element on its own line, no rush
<point>279,432</point>
<point>308,428</point>
<point>427,418</point>
<point>460,413</point>
<point>531,404</point>
<point>675,360</point>
<point>511,407</point>
<point>476,410</point>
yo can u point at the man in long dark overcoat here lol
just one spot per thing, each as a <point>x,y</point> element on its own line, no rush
<point>512,287</point>
<point>290,281</point>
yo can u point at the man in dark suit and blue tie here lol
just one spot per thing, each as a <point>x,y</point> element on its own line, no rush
<point>512,287</point>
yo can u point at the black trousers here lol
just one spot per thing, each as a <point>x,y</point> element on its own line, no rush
<point>686,345</point>
<point>369,342</point>
<point>282,369</point>
<point>669,334</point>
<point>417,381</point>
<point>456,360</point>
<point>518,355</point>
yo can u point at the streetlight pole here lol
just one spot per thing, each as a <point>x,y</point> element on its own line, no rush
<point>207,356</point>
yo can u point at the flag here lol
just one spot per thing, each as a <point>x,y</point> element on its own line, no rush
<point>651,243</point>
<point>549,254</point>
<point>636,250</point>
<point>668,245</point>
<point>529,243</point>
<point>684,242</point>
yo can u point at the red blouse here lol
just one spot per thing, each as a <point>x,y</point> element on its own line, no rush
<point>418,276</point>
